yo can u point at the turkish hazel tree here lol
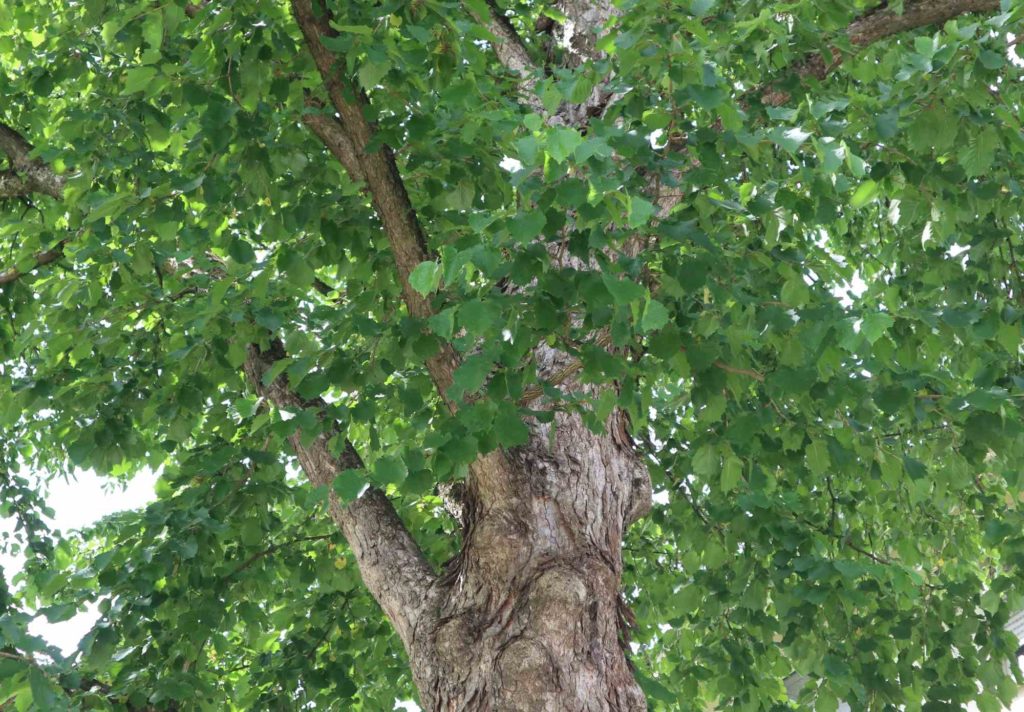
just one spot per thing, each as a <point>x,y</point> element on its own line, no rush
<point>577,356</point>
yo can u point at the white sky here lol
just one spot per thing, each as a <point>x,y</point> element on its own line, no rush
<point>76,504</point>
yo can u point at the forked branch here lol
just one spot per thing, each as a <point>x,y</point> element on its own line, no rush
<point>377,168</point>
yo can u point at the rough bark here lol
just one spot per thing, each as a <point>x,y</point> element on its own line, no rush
<point>530,612</point>
<point>392,565</point>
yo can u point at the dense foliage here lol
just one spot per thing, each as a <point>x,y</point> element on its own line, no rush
<point>818,344</point>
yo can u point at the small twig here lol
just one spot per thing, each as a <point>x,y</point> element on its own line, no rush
<point>272,549</point>
<point>739,371</point>
<point>1016,269</point>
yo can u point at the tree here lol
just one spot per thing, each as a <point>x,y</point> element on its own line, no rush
<point>414,305</point>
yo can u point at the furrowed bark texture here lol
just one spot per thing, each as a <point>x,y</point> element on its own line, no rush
<point>528,616</point>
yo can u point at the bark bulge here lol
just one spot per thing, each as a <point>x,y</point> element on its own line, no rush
<point>530,613</point>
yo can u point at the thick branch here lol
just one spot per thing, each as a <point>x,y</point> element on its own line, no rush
<point>390,562</point>
<point>330,131</point>
<point>13,186</point>
<point>37,176</point>
<point>877,25</point>
<point>42,258</point>
<point>380,172</point>
<point>512,53</point>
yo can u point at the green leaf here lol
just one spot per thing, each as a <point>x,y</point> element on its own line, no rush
<point>425,277</point>
<point>817,457</point>
<point>480,316</point>
<point>527,149</point>
<point>138,78</point>
<point>790,139</point>
<point>443,323</point>
<point>361,30</point>
<point>623,291</point>
<point>795,291</point>
<point>296,266</point>
<point>561,142</point>
<point>60,612</point>
<point>80,449</point>
<point>706,460</point>
<point>655,316</point>
<point>241,251</point>
<point>875,325</point>
<point>509,427</point>
<point>978,155</point>
<point>153,29</point>
<point>370,73</point>
<point>389,470</point>
<point>654,689</point>
<point>640,211</point>
<point>732,473</point>
<point>865,193</point>
<point>349,484</point>
<point>527,226</point>
<point>44,693</point>
<point>470,376</point>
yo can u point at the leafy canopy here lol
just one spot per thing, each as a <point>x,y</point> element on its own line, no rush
<point>819,346</point>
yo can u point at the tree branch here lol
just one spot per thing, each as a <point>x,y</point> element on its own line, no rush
<point>877,25</point>
<point>390,562</point>
<point>37,176</point>
<point>380,172</point>
<point>273,548</point>
<point>42,258</point>
<point>12,185</point>
<point>511,52</point>
<point>332,134</point>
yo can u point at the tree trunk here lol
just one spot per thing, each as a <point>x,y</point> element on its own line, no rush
<point>529,615</point>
